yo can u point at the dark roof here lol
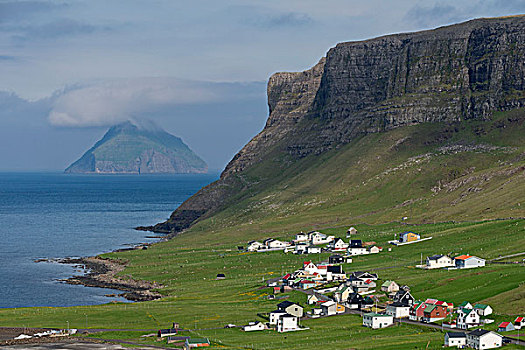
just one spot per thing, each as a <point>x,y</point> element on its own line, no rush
<point>356,243</point>
<point>434,257</point>
<point>335,269</point>
<point>479,332</point>
<point>285,304</point>
<point>456,335</point>
<point>220,275</point>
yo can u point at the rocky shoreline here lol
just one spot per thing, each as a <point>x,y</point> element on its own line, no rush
<point>103,274</point>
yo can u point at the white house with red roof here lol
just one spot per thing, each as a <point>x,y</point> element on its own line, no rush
<point>505,327</point>
<point>468,262</point>
<point>519,322</point>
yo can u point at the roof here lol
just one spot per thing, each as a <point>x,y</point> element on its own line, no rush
<point>197,340</point>
<point>463,304</point>
<point>504,324</point>
<point>463,257</point>
<point>386,283</point>
<point>435,257</point>
<point>480,306</point>
<point>519,319</point>
<point>429,308</point>
<point>329,303</point>
<point>286,303</point>
<point>398,304</point>
<point>456,335</point>
<point>335,269</point>
<point>479,332</point>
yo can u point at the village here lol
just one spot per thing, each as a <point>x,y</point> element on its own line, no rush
<point>331,291</point>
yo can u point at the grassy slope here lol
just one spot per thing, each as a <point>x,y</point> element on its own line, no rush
<point>370,184</point>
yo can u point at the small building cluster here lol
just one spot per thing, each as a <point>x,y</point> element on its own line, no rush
<point>470,316</point>
<point>477,339</point>
<point>408,237</point>
<point>446,262</point>
<point>430,310</point>
<point>506,326</point>
<point>284,319</point>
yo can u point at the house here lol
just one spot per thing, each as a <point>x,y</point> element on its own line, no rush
<point>361,285</point>
<point>254,326</point>
<point>291,308</point>
<point>220,276</point>
<point>336,259</point>
<point>357,251</point>
<point>307,284</point>
<point>274,316</point>
<point>416,311</point>
<point>467,318</point>
<point>357,301</point>
<point>390,287</point>
<point>408,236</point>
<point>398,310</point>
<point>338,245</point>
<point>356,243</point>
<point>311,268</point>
<point>192,343</point>
<point>403,296</point>
<point>320,238</point>
<point>332,308</point>
<point>312,249</point>
<point>166,332</point>
<point>506,327</point>
<point>483,339</point>
<point>275,244</point>
<point>483,310</point>
<point>351,231</point>
<point>287,323</point>
<point>343,292</point>
<point>254,246</point>
<point>374,249</point>
<point>456,339</point>
<point>300,248</point>
<point>438,261</point>
<point>519,322</point>
<point>468,262</point>
<point>434,312</point>
<point>375,321</point>
<point>301,237</point>
<point>312,299</point>
<point>335,273</point>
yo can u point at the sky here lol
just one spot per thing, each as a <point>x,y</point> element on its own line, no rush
<point>71,68</point>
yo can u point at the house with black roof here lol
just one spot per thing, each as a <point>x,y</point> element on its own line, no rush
<point>291,308</point>
<point>483,339</point>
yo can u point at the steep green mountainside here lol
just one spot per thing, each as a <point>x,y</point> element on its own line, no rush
<point>126,148</point>
<point>430,172</point>
<point>443,89</point>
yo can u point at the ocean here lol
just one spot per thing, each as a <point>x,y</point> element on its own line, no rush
<point>53,215</point>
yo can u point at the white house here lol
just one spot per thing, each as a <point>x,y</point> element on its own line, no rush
<point>438,261</point>
<point>375,321</point>
<point>254,246</point>
<point>357,251</point>
<point>332,308</point>
<point>300,248</point>
<point>519,322</point>
<point>468,262</point>
<point>312,299</point>
<point>390,287</point>
<point>456,339</point>
<point>483,309</point>
<point>312,249</point>
<point>291,308</point>
<point>301,237</point>
<point>467,318</point>
<point>274,316</point>
<point>335,273</point>
<point>254,326</point>
<point>274,243</point>
<point>287,323</point>
<point>311,268</point>
<point>343,292</point>
<point>482,339</point>
<point>375,249</point>
<point>398,310</point>
<point>320,238</point>
<point>351,231</point>
<point>338,245</point>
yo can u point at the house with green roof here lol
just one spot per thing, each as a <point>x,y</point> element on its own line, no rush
<point>376,321</point>
<point>483,310</point>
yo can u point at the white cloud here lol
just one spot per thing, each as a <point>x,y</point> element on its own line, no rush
<point>110,102</point>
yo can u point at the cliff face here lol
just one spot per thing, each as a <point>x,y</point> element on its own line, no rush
<point>450,74</point>
<point>128,149</point>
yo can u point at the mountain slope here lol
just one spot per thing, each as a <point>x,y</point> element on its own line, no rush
<point>126,148</point>
<point>447,76</point>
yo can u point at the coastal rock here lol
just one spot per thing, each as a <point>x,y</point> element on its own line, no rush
<point>450,74</point>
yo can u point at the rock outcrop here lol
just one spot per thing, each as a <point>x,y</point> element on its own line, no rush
<point>129,149</point>
<point>450,74</point>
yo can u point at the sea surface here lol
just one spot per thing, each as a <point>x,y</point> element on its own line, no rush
<point>53,215</point>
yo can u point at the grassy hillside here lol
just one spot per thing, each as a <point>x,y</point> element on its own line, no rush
<point>455,183</point>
